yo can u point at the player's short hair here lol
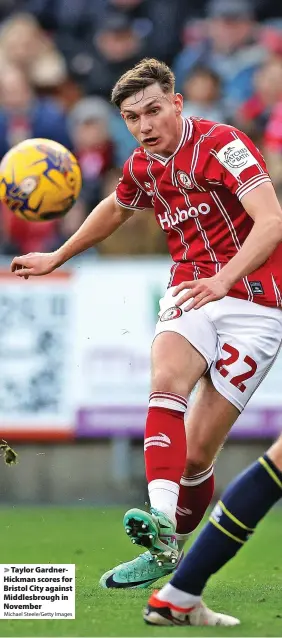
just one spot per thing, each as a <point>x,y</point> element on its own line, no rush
<point>143,74</point>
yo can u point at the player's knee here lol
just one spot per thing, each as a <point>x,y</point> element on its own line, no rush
<point>168,379</point>
<point>198,459</point>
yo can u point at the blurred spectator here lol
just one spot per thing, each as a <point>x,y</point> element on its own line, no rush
<point>193,33</point>
<point>271,40</point>
<point>124,142</point>
<point>69,224</point>
<point>140,235</point>
<point>110,181</point>
<point>151,19</point>
<point>73,25</point>
<point>48,73</point>
<point>9,6</point>
<point>202,95</point>
<point>22,115</point>
<point>272,147</point>
<point>253,115</point>
<point>230,49</point>
<point>266,9</point>
<point>22,41</point>
<point>67,93</point>
<point>20,236</point>
<point>50,79</point>
<point>89,128</point>
<point>73,18</point>
<point>273,132</point>
<point>116,48</point>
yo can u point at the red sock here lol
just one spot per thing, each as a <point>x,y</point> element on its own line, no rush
<point>194,497</point>
<point>165,440</point>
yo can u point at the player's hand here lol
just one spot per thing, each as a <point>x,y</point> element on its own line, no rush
<point>201,291</point>
<point>34,264</point>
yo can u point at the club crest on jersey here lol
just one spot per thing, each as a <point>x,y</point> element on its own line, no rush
<point>184,179</point>
<point>171,313</point>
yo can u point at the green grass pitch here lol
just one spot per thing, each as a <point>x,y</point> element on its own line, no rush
<point>250,587</point>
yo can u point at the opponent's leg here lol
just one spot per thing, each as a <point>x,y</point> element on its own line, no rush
<point>233,520</point>
<point>176,368</point>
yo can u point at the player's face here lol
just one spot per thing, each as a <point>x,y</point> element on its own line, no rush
<point>154,118</point>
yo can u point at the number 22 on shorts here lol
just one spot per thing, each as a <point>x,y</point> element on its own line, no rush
<point>234,354</point>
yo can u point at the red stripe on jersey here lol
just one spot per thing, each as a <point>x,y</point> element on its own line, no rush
<point>208,248</point>
<point>234,237</point>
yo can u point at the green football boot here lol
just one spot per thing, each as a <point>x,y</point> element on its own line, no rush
<point>140,572</point>
<point>155,531</point>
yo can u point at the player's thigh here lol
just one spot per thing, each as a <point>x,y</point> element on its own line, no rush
<point>208,423</point>
<point>249,340</point>
<point>183,348</point>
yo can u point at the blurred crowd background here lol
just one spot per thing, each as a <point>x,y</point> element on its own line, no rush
<point>60,58</point>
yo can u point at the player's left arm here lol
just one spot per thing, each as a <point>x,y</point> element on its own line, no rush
<point>261,203</point>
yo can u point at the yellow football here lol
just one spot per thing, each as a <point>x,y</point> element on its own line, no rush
<point>39,180</point>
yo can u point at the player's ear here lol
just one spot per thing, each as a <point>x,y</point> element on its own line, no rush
<point>178,103</point>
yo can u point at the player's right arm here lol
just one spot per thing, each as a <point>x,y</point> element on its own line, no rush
<point>110,213</point>
<point>100,224</point>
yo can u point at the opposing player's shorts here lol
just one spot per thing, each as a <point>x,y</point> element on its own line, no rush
<point>239,340</point>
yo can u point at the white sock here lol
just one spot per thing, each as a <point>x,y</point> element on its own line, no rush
<point>181,539</point>
<point>171,594</point>
<point>164,496</point>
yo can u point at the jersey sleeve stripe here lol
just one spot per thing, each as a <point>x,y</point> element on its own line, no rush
<point>132,174</point>
<point>250,181</point>
<point>129,206</point>
<point>250,187</point>
<point>136,198</point>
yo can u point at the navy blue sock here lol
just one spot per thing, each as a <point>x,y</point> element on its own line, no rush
<point>244,503</point>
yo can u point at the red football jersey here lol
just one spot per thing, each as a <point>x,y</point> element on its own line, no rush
<point>195,194</point>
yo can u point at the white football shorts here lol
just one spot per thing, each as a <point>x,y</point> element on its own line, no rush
<point>239,340</point>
